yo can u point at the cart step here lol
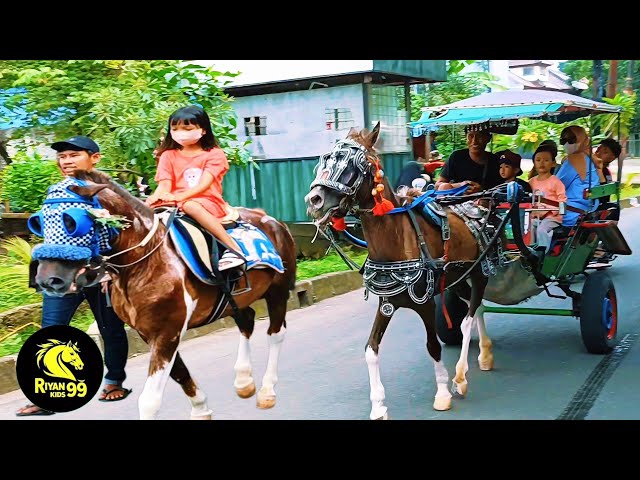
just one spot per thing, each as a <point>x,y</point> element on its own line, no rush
<point>598,266</point>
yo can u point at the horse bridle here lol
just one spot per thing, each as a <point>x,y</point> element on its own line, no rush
<point>333,164</point>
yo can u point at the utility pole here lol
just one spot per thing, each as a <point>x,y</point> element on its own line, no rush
<point>612,84</point>
<point>598,89</point>
<point>628,87</point>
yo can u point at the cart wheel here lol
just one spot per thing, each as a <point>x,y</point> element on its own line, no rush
<point>457,310</point>
<point>599,314</point>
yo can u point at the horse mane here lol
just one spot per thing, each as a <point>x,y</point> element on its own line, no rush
<point>360,136</point>
<point>96,176</point>
<point>404,194</point>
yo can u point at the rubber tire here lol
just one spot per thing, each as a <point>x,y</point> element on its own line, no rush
<point>457,311</point>
<point>597,338</point>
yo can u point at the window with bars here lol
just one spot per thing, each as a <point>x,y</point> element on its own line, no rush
<point>338,118</point>
<point>388,104</point>
<point>255,126</point>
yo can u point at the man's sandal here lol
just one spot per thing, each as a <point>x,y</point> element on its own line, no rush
<point>31,410</point>
<point>119,388</point>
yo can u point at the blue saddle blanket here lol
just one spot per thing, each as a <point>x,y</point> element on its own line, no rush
<point>256,246</point>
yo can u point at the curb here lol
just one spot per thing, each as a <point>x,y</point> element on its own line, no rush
<point>306,293</point>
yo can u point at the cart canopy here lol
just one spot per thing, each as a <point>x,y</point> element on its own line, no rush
<point>505,108</point>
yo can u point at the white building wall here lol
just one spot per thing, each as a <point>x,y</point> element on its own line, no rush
<point>500,68</point>
<point>296,124</point>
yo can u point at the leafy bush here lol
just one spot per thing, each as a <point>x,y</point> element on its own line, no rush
<point>14,274</point>
<point>25,181</point>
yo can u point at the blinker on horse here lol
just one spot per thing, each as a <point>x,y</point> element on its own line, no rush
<point>407,256</point>
<point>155,292</point>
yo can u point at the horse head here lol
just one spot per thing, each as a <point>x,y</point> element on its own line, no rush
<point>345,176</point>
<point>75,239</point>
<point>70,355</point>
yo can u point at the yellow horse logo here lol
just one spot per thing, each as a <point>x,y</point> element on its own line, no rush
<point>53,357</point>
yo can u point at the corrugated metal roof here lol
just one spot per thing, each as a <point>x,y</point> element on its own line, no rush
<point>258,72</point>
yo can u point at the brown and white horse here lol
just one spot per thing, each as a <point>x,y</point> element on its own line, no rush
<point>158,296</point>
<point>349,179</point>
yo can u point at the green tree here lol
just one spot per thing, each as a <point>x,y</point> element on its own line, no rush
<point>122,104</point>
<point>582,69</point>
<point>457,87</point>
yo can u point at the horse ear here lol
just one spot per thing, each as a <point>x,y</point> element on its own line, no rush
<point>353,132</point>
<point>372,137</point>
<point>88,191</point>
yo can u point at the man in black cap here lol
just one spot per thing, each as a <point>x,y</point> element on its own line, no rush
<point>473,166</point>
<point>82,153</point>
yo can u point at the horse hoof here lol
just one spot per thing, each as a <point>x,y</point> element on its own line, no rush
<point>442,404</point>
<point>485,365</point>
<point>266,401</point>
<point>459,388</point>
<point>202,417</point>
<point>246,392</point>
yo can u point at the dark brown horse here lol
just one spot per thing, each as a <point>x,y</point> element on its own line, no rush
<point>157,295</point>
<point>405,264</point>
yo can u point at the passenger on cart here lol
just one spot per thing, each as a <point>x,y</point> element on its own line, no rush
<point>550,187</point>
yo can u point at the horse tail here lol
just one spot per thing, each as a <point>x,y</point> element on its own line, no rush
<point>292,256</point>
<point>287,250</point>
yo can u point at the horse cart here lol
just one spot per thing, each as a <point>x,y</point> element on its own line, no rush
<point>573,251</point>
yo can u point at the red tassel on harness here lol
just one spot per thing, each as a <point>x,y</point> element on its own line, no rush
<point>338,224</point>
<point>382,206</point>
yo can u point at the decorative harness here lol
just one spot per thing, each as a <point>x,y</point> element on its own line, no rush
<point>417,276</point>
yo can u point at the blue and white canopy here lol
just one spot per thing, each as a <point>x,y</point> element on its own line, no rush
<point>500,107</point>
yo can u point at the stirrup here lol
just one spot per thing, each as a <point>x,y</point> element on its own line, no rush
<point>230,260</point>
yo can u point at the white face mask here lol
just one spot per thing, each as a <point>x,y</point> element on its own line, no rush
<point>570,148</point>
<point>186,137</point>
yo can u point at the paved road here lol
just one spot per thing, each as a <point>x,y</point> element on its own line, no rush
<point>542,370</point>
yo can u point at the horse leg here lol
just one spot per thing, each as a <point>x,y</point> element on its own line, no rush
<point>442,399</point>
<point>163,354</point>
<point>199,408</point>
<point>478,284</point>
<point>277,307</point>
<point>244,383</point>
<point>380,324</point>
<point>485,359</point>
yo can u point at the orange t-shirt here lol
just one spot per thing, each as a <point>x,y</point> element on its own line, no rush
<point>185,172</point>
<point>553,189</point>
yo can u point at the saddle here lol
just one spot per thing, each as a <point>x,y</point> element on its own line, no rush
<point>199,249</point>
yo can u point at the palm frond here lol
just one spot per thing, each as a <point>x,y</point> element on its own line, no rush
<point>18,249</point>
